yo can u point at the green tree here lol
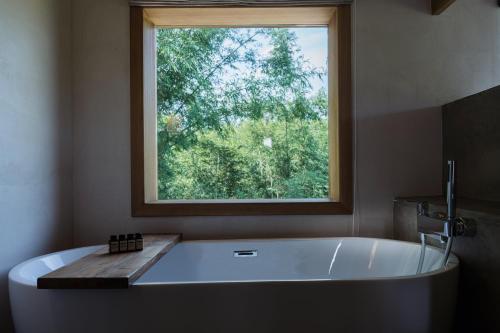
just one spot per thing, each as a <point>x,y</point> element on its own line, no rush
<point>258,134</point>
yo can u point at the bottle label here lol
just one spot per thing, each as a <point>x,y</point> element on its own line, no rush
<point>123,246</point>
<point>113,247</point>
<point>138,244</point>
<point>131,245</point>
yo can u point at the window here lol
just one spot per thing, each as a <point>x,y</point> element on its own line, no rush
<point>241,111</point>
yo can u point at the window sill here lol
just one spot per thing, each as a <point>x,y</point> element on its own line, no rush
<point>241,208</point>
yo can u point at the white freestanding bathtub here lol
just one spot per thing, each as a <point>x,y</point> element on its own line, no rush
<point>339,285</point>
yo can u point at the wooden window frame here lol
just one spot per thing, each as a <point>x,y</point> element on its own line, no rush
<point>143,170</point>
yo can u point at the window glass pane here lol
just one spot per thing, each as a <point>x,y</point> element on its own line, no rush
<point>242,113</point>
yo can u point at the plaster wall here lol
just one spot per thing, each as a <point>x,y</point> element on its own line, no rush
<point>35,134</point>
<point>407,64</point>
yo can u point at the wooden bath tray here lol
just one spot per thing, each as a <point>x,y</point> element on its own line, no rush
<point>101,270</point>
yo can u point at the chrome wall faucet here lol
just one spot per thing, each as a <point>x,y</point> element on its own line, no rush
<point>439,225</point>
<point>442,226</point>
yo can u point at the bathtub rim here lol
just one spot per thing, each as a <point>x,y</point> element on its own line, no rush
<point>453,263</point>
<point>15,276</point>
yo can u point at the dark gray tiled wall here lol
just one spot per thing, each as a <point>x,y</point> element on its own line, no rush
<point>478,308</point>
<point>471,136</point>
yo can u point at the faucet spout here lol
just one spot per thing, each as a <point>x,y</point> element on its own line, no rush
<point>441,226</point>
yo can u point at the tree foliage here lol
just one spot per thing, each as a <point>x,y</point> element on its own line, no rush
<point>236,122</point>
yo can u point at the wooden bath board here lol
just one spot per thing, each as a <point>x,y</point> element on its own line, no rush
<point>101,270</point>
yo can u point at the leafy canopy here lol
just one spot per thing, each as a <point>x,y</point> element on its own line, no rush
<point>237,117</point>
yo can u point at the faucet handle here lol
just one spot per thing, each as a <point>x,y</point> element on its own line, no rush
<point>423,208</point>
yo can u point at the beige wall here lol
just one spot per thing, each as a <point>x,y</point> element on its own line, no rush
<point>35,134</point>
<point>407,64</point>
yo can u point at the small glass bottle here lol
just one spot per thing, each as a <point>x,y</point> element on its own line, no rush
<point>113,244</point>
<point>139,242</point>
<point>130,242</point>
<point>122,243</point>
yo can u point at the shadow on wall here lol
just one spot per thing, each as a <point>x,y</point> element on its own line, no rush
<point>471,137</point>
<point>35,135</point>
<point>423,7</point>
<point>399,154</point>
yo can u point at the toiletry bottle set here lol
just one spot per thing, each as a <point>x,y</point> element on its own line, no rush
<point>127,243</point>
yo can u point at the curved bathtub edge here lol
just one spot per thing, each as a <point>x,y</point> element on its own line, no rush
<point>15,274</point>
